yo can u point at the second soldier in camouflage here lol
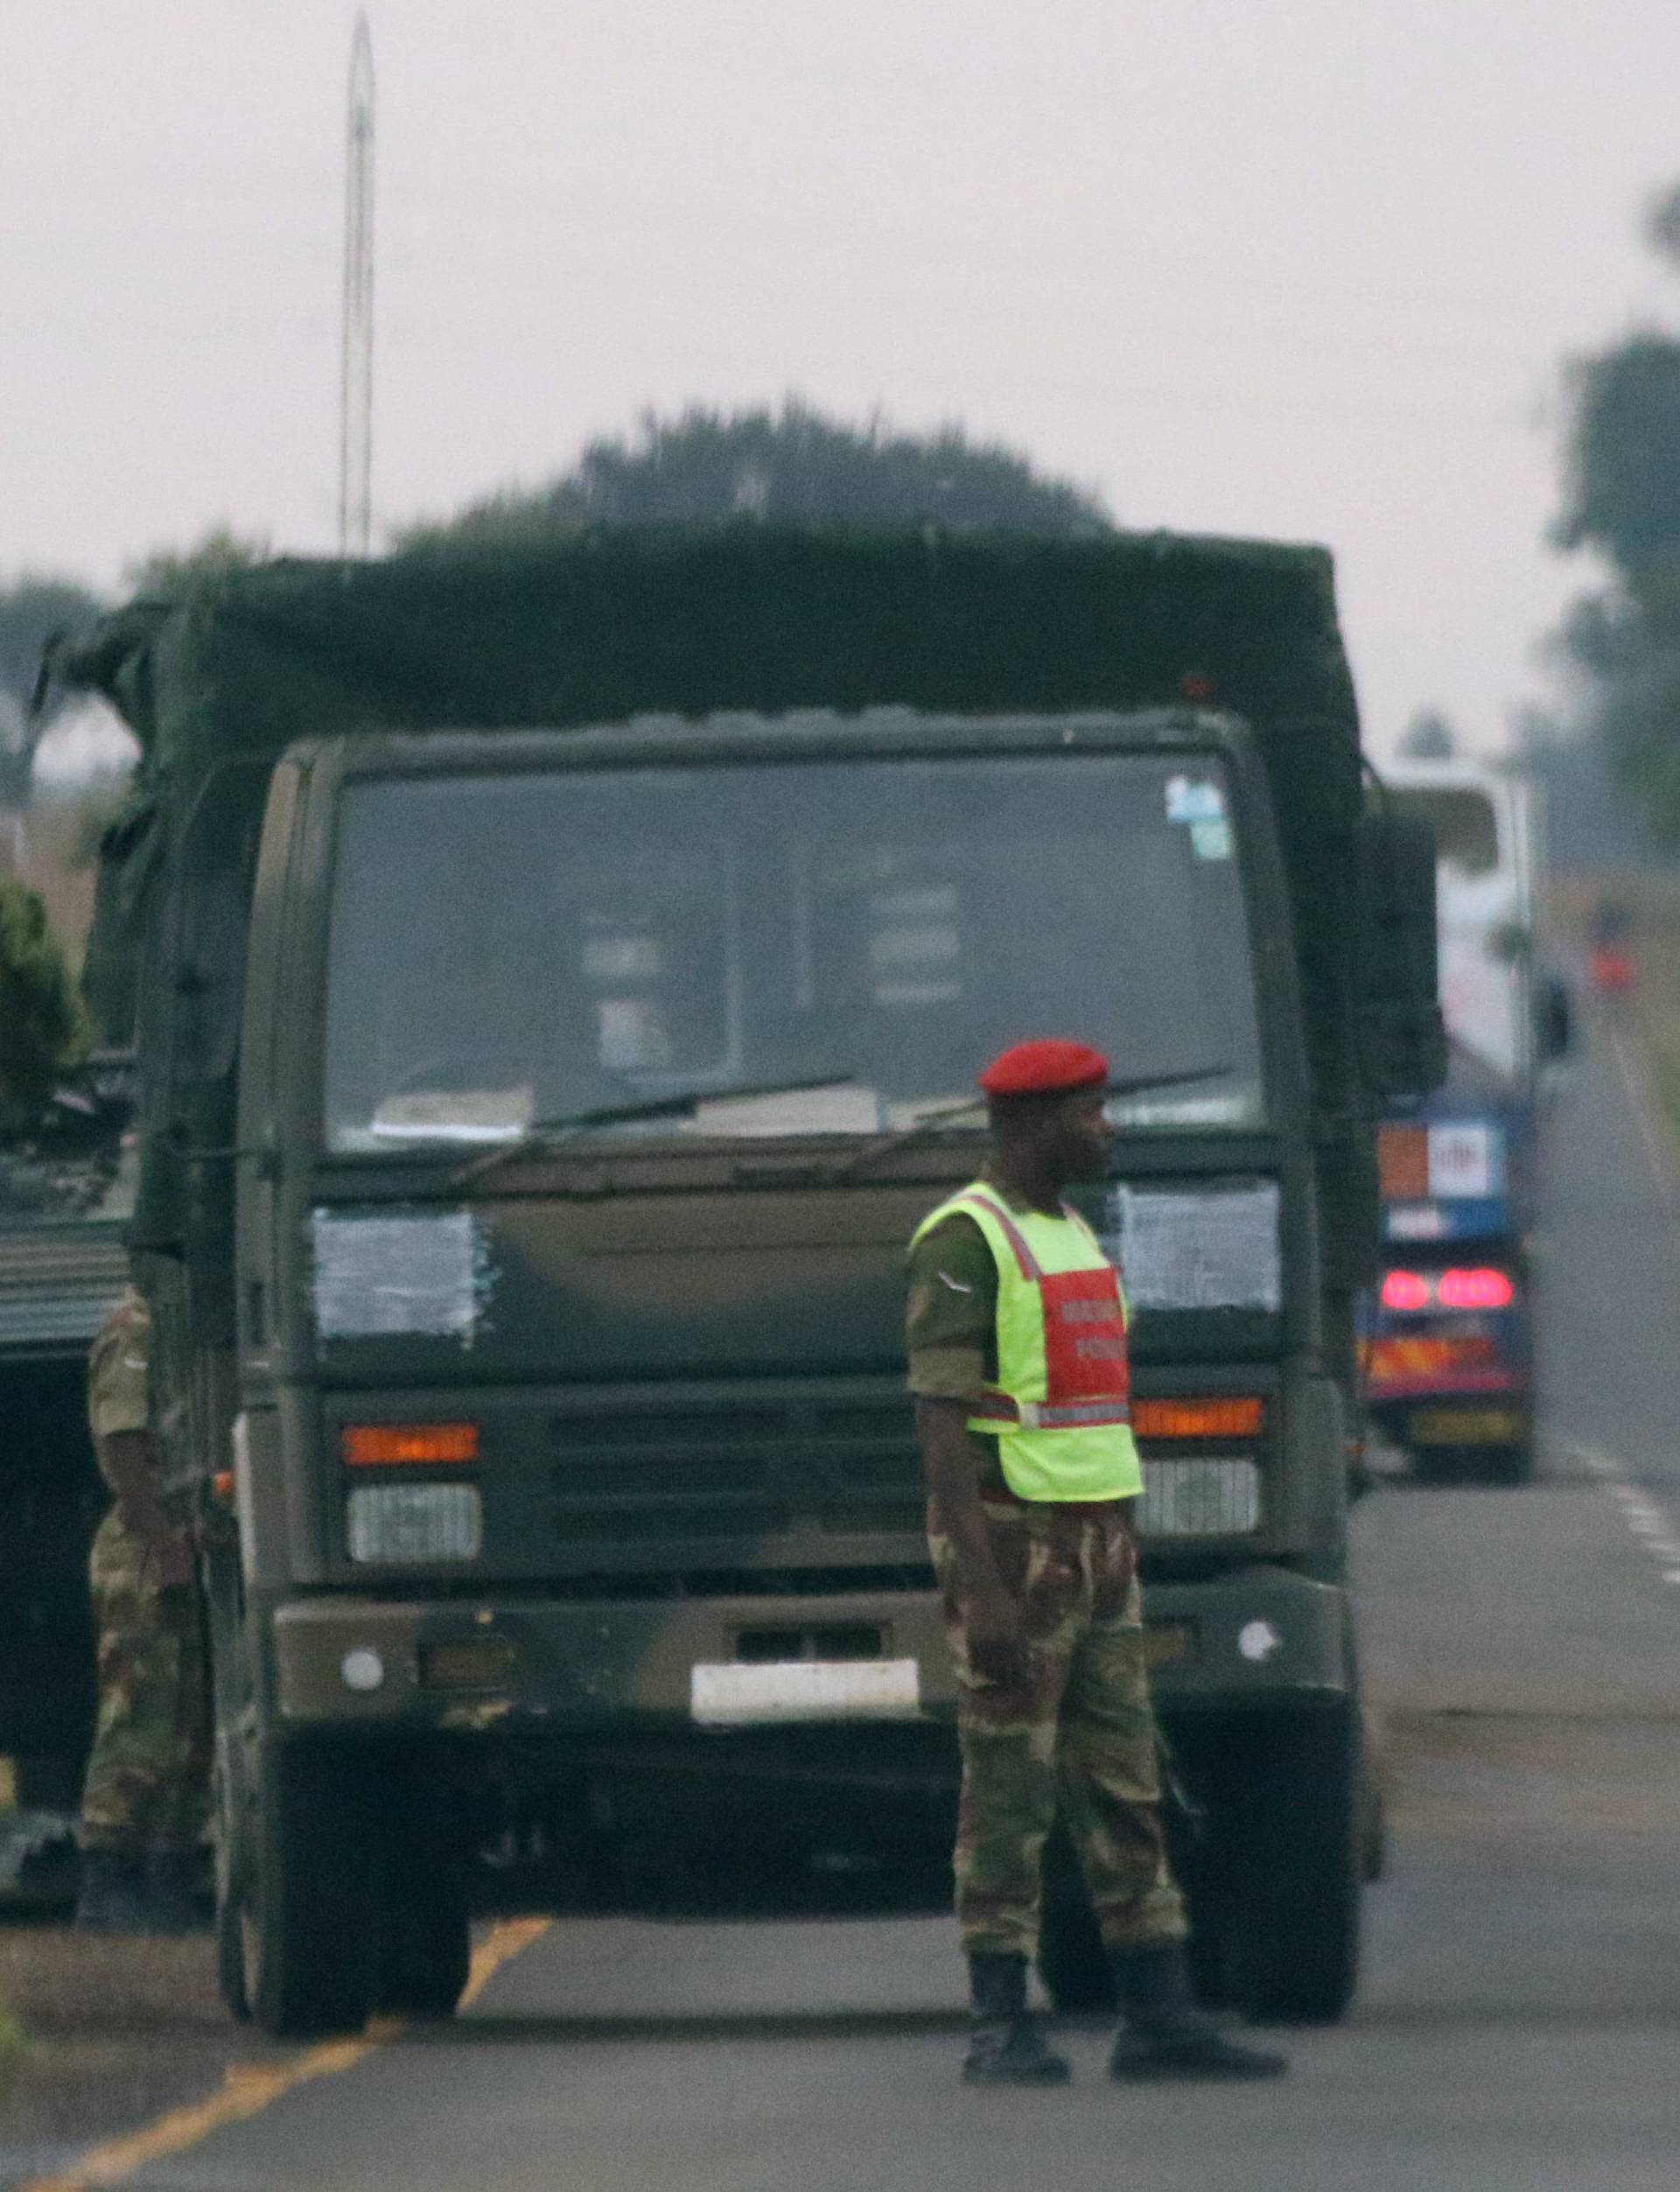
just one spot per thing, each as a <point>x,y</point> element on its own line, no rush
<point>144,1803</point>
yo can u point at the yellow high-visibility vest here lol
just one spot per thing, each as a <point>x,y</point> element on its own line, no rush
<point>1061,1408</point>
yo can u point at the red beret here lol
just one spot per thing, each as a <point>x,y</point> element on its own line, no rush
<point>1045,1069</point>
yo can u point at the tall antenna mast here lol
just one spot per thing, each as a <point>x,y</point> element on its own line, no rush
<point>356,357</point>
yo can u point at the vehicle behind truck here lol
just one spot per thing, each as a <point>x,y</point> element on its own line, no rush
<point>559,979</point>
<point>1451,1354</point>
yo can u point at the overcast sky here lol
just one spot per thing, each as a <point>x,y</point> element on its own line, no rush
<point>1305,269</point>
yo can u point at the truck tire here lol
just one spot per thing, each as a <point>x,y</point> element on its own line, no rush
<point>1508,1465</point>
<point>424,1947</point>
<point>1073,1963</point>
<point>48,1780</point>
<point>1294,1946</point>
<point>1074,1967</point>
<point>1372,1819</point>
<point>232,1844</point>
<point>294,1924</point>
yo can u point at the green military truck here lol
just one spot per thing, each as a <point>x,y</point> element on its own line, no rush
<point>558,979</point>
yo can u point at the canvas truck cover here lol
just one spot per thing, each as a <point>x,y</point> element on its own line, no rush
<point>218,680</point>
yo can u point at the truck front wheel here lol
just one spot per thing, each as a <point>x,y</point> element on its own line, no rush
<point>1074,1967</point>
<point>294,1922</point>
<point>424,1946</point>
<point>1294,1945</point>
<point>49,1781</point>
<point>1072,1962</point>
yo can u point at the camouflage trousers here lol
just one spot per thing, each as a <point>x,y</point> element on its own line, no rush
<point>1077,1737</point>
<point>148,1777</point>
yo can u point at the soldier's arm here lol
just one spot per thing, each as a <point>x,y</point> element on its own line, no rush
<point>991,1617</point>
<point>949,1333</point>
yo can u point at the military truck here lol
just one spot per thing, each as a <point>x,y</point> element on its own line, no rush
<point>558,979</point>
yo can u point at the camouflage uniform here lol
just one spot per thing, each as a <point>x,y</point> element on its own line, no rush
<point>1079,1734</point>
<point>148,1778</point>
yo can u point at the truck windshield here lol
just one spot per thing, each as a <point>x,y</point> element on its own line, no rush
<point>523,948</point>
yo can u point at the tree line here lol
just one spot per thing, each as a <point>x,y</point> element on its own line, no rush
<point>1621,641</point>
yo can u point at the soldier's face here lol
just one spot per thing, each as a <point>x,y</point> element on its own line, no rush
<point>1078,1135</point>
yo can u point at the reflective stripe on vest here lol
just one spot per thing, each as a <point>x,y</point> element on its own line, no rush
<point>1060,1408</point>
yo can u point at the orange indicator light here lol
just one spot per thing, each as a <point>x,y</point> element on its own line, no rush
<point>407,1446</point>
<point>1210,1418</point>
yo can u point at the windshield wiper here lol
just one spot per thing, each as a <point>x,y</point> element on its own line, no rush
<point>548,1135</point>
<point>931,1123</point>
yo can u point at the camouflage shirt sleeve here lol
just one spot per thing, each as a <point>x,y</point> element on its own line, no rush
<point>119,1372</point>
<point>951,1316</point>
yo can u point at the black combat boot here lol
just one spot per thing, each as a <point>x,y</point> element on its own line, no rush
<point>174,1891</point>
<point>113,1896</point>
<point>1163,2034</point>
<point>1007,2046</point>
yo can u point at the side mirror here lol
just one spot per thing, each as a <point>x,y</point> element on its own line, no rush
<point>159,1224</point>
<point>1402,1033</point>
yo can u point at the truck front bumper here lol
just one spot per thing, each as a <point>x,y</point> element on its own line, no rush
<point>1258,1636</point>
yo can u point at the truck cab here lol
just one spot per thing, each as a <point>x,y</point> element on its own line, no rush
<point>542,1094</point>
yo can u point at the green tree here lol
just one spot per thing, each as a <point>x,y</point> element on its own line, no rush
<point>166,570</point>
<point>1429,737</point>
<point>44,1024</point>
<point>791,465</point>
<point>1622,499</point>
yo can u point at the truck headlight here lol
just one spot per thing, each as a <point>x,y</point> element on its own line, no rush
<point>1198,1497</point>
<point>401,1523</point>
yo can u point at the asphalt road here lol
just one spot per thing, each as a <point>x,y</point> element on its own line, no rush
<point>1519,2026</point>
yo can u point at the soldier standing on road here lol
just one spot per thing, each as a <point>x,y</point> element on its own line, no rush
<point>144,1803</point>
<point>1016,1337</point>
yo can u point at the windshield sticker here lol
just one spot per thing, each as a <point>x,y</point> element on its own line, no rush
<point>425,1275</point>
<point>1194,799</point>
<point>1211,840</point>
<point>1214,1249</point>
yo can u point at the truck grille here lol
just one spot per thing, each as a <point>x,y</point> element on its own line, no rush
<point>650,1475</point>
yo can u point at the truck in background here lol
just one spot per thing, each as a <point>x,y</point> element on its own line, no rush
<point>1450,1353</point>
<point>558,977</point>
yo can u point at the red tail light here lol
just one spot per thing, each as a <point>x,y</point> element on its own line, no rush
<point>1486,1289</point>
<point>1406,1289</point>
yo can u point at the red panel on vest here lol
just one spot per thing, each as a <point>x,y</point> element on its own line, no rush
<point>1084,1337</point>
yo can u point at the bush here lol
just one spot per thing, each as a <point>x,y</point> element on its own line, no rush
<point>44,1024</point>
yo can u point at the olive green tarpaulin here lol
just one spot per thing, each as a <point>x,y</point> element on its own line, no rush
<point>737,617</point>
<point>742,616</point>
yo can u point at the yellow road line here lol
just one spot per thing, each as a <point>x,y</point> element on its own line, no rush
<point>501,1945</point>
<point>251,2087</point>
